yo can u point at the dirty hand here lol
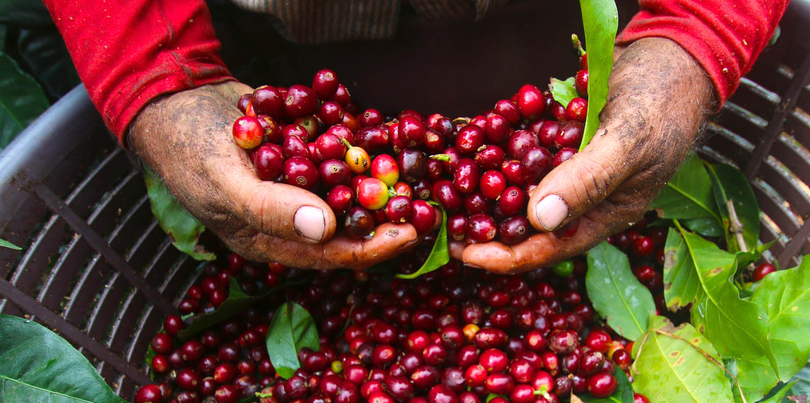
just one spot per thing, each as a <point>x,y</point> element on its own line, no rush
<point>186,139</point>
<point>659,97</point>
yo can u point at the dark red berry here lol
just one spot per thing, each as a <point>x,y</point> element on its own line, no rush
<point>530,101</point>
<point>481,228</point>
<point>514,230</point>
<point>325,84</point>
<point>521,142</point>
<point>577,109</point>
<point>359,223</point>
<point>470,139</point>
<point>423,216</point>
<point>512,200</point>
<point>602,385</point>
<point>762,270</point>
<point>398,209</point>
<point>466,176</point>
<point>570,134</point>
<point>300,101</point>
<point>301,172</point>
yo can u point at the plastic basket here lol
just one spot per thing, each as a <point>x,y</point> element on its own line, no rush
<point>97,268</point>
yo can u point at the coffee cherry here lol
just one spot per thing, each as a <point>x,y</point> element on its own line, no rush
<point>359,223</point>
<point>492,184</point>
<point>521,142</point>
<point>490,157</point>
<point>162,343</point>
<point>300,101</point>
<point>442,394</point>
<point>447,195</point>
<point>333,173</point>
<point>369,118</point>
<point>512,201</point>
<point>762,270</point>
<point>148,394</point>
<point>423,216</point>
<point>602,385</point>
<point>581,83</point>
<point>339,199</point>
<point>413,164</point>
<point>514,230</point>
<point>563,341</point>
<point>509,110</point>
<point>470,139</point>
<point>535,163</point>
<point>372,193</point>
<point>268,101</point>
<point>398,209</point>
<point>226,394</point>
<point>570,134</point>
<point>268,162</point>
<point>457,226</point>
<point>384,168</point>
<point>413,131</point>
<point>500,384</point>
<point>294,147</point>
<point>643,246</point>
<point>639,398</point>
<point>243,102</point>
<point>513,172</point>
<point>497,128</point>
<point>357,160</point>
<point>475,203</point>
<point>325,84</point>
<point>248,132</point>
<point>466,176</point>
<point>301,172</point>
<point>530,101</point>
<point>481,228</point>
<point>564,154</point>
<point>577,109</point>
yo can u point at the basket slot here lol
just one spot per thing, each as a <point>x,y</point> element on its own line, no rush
<point>742,122</point>
<point>798,125</point>
<point>107,308</point>
<point>777,122</point>
<point>735,148</point>
<point>791,189</point>
<point>80,226</point>
<point>69,332</point>
<point>798,244</point>
<point>755,98</point>
<point>98,271</point>
<point>66,271</point>
<point>774,207</point>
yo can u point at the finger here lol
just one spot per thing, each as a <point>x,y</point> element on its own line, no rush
<point>581,183</point>
<point>340,252</point>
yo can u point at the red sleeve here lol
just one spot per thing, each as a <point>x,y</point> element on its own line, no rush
<point>724,36</point>
<point>128,52</point>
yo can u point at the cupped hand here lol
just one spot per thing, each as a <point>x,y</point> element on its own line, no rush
<point>659,97</point>
<point>186,138</point>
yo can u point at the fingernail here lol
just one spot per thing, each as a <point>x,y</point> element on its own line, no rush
<point>551,211</point>
<point>310,223</point>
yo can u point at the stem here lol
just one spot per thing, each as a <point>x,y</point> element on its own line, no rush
<point>577,44</point>
<point>735,226</point>
<point>708,357</point>
<point>346,142</point>
<point>440,157</point>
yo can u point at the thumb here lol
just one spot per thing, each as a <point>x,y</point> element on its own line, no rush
<point>281,210</point>
<point>579,184</point>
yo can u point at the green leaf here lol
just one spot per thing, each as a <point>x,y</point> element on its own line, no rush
<point>728,183</point>
<point>176,221</point>
<point>616,293</point>
<point>236,302</point>
<point>600,20</point>
<point>150,355</point>
<point>672,366</point>
<point>48,59</point>
<point>291,330</point>
<point>745,258</point>
<point>783,296</point>
<point>688,194</point>
<point>563,91</point>
<point>25,13</point>
<point>705,226</point>
<point>697,272</point>
<point>623,393</point>
<point>439,255</point>
<point>801,383</point>
<point>780,394</point>
<point>7,244</point>
<point>36,365</point>
<point>21,100</point>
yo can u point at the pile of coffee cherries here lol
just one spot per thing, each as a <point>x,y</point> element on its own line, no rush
<point>372,169</point>
<point>453,335</point>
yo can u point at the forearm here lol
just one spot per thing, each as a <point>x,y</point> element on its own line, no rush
<point>128,52</point>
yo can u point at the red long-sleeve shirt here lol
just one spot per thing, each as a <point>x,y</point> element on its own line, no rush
<point>128,52</point>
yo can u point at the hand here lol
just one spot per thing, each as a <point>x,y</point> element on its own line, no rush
<point>186,138</point>
<point>659,97</point>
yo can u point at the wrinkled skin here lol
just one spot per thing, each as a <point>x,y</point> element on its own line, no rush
<point>659,98</point>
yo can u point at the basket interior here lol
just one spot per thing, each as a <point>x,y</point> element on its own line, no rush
<point>73,200</point>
